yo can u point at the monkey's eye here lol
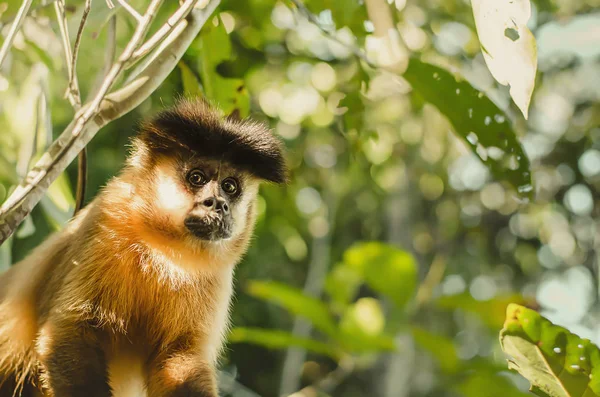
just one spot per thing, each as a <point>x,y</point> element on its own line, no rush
<point>196,178</point>
<point>230,186</point>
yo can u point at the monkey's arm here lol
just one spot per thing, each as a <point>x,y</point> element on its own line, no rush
<point>74,361</point>
<point>182,372</point>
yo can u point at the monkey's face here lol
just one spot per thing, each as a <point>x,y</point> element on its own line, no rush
<point>216,190</point>
<point>203,200</point>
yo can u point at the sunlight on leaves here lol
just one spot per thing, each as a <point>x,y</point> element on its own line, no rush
<point>508,46</point>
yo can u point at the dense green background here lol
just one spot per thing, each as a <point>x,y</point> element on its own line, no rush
<point>409,244</point>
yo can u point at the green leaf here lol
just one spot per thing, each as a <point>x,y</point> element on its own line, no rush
<point>296,302</point>
<point>477,120</point>
<point>342,284</point>
<point>508,46</point>
<point>275,339</point>
<point>491,311</point>
<point>191,85</point>
<point>214,47</point>
<point>385,269</point>
<point>440,347</point>
<point>362,325</point>
<point>555,361</point>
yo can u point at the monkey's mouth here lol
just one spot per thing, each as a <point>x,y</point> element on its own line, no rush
<point>210,228</point>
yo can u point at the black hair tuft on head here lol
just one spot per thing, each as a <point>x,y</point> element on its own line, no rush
<point>196,127</point>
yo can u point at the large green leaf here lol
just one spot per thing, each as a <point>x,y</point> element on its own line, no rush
<point>296,302</point>
<point>555,361</point>
<point>477,120</point>
<point>275,339</point>
<point>385,269</point>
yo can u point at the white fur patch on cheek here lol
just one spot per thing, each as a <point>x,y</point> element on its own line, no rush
<point>171,197</point>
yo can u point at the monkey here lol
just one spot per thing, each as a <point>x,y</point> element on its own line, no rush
<point>132,297</point>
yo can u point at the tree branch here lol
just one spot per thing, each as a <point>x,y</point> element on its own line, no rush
<point>14,28</point>
<point>130,10</point>
<point>73,94</point>
<point>99,112</point>
<point>82,157</point>
<point>161,33</point>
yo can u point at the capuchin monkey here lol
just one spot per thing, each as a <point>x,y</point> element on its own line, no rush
<point>131,299</point>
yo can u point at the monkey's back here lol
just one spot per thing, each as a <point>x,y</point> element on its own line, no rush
<point>19,317</point>
<point>23,304</point>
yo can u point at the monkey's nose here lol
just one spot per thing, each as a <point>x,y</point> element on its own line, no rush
<point>216,204</point>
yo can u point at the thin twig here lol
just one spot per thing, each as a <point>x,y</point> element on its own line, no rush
<point>81,180</point>
<point>82,156</point>
<point>130,10</point>
<point>85,125</point>
<point>86,11</point>
<point>72,93</point>
<point>162,32</point>
<point>14,28</point>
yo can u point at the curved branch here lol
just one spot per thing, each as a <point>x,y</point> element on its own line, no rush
<point>94,116</point>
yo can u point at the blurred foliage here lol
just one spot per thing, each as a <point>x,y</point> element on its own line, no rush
<point>388,172</point>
